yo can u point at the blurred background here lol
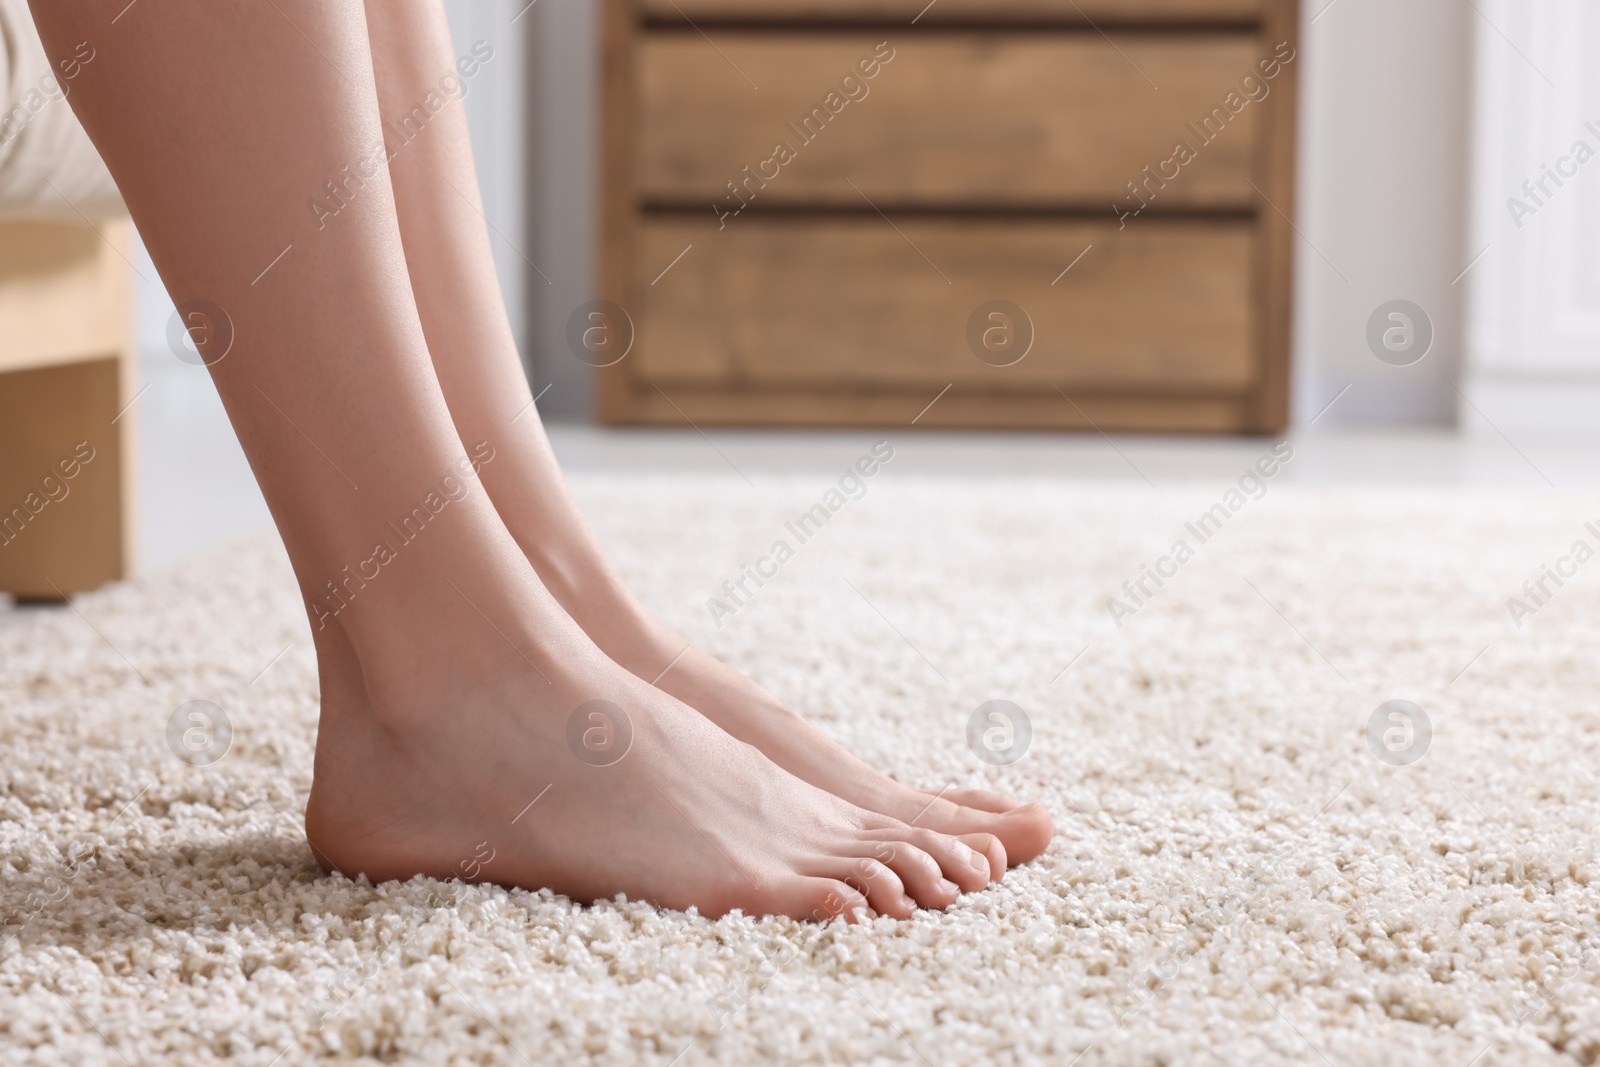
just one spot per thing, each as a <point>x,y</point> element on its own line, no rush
<point>1390,177</point>
<point>1384,145</point>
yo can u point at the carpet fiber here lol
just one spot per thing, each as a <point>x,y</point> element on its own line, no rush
<point>1240,876</point>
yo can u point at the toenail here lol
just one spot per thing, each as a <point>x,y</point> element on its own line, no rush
<point>980,862</point>
<point>950,887</point>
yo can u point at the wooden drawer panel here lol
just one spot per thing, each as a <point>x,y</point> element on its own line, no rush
<point>777,302</point>
<point>944,11</point>
<point>957,120</point>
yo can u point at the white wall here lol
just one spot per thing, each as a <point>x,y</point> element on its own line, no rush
<point>1385,106</point>
<point>1534,339</point>
<point>562,181</point>
<point>497,119</point>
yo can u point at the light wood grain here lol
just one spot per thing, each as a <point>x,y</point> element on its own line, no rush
<point>619,218</point>
<point>952,120</point>
<point>64,292</point>
<point>54,547</point>
<point>1159,306</point>
<point>963,407</point>
<point>1114,12</point>
<point>1275,233</point>
<point>66,371</point>
<point>728,380</point>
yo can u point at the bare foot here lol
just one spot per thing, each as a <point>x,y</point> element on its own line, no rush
<point>466,766</point>
<point>636,640</point>
<point>750,713</point>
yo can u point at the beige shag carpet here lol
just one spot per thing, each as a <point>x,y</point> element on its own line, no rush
<point>1238,877</point>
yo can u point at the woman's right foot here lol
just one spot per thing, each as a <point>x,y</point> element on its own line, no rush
<point>479,764</point>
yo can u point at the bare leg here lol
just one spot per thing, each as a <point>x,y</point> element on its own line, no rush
<point>469,337</point>
<point>220,127</point>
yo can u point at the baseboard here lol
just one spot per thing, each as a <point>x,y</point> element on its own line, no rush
<point>1548,409</point>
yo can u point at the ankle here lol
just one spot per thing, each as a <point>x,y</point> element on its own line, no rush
<point>398,596</point>
<point>425,646</point>
<point>612,618</point>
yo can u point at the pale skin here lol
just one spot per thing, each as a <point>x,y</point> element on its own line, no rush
<point>366,365</point>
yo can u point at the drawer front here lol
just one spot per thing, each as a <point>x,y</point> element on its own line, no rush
<point>950,120</point>
<point>890,11</point>
<point>786,302</point>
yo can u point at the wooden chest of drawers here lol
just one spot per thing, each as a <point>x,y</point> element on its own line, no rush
<point>1045,213</point>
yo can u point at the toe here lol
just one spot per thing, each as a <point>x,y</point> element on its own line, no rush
<point>1025,829</point>
<point>825,899</point>
<point>981,799</point>
<point>992,850</point>
<point>884,891</point>
<point>919,872</point>
<point>958,863</point>
<point>1026,832</point>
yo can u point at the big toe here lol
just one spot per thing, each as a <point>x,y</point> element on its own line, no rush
<point>1025,831</point>
<point>982,799</point>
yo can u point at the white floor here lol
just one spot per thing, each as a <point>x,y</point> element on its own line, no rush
<point>197,488</point>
